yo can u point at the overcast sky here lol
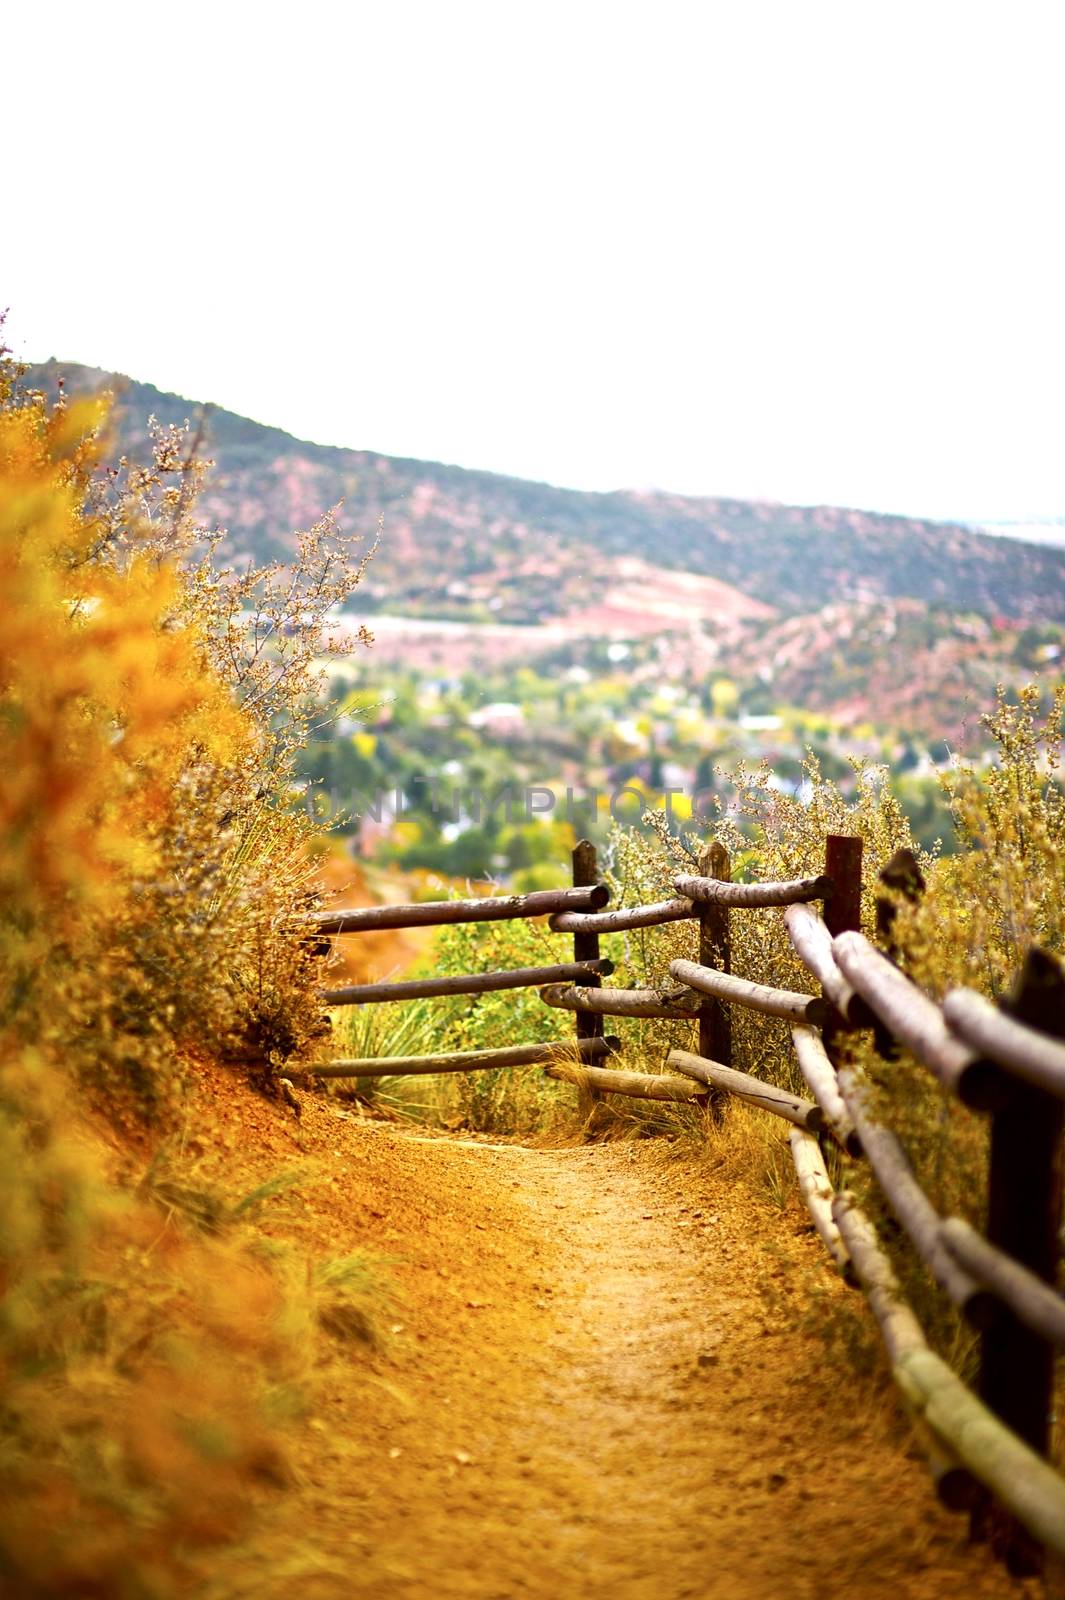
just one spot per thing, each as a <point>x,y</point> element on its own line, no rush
<point>806,251</point>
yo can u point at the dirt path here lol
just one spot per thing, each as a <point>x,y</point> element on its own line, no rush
<point>596,1384</point>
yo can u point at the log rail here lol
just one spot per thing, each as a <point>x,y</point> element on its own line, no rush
<point>442,913</point>
<point>517,1055</point>
<point>362,994</point>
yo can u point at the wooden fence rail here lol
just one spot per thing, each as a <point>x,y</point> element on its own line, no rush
<point>755,996</point>
<point>515,1055</point>
<point>723,892</point>
<point>803,1113</point>
<point>812,943</point>
<point>820,1074</point>
<point>1028,1297</point>
<point>815,1186</point>
<point>913,1209</point>
<point>636,1085</point>
<point>361,994</point>
<point>987,1453</point>
<point>918,1023</point>
<point>441,913</point>
<point>1035,1057</point>
<point>618,921</point>
<point>680,1003</point>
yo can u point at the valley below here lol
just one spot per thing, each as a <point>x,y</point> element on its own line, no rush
<point>527,635</point>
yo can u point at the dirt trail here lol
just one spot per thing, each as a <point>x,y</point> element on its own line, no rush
<point>596,1384</point>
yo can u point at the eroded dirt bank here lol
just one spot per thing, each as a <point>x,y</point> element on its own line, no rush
<point>596,1384</point>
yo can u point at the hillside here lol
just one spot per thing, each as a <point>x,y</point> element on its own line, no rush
<point>476,545</point>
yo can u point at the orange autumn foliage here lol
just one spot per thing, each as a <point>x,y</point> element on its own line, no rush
<point>104,696</point>
<point>153,891</point>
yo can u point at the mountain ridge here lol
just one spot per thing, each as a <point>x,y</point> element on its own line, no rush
<point>531,550</point>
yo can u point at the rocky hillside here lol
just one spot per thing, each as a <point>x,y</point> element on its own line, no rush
<point>479,546</point>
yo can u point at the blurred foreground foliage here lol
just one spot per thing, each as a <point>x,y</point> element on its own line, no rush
<point>153,890</point>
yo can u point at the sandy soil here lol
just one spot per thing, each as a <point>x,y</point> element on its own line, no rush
<point>597,1381</point>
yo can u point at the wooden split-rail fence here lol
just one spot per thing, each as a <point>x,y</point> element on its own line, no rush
<point>988,1451</point>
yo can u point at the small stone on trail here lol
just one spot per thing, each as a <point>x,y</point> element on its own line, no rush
<point>776,1480</point>
<point>395,1453</point>
<point>463,1459</point>
<point>707,1358</point>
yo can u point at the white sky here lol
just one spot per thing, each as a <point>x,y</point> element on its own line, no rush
<point>807,251</point>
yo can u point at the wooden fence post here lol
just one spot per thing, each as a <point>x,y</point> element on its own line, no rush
<point>1024,1219</point>
<point>715,950</point>
<point>843,864</point>
<point>843,908</point>
<point>589,1024</point>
